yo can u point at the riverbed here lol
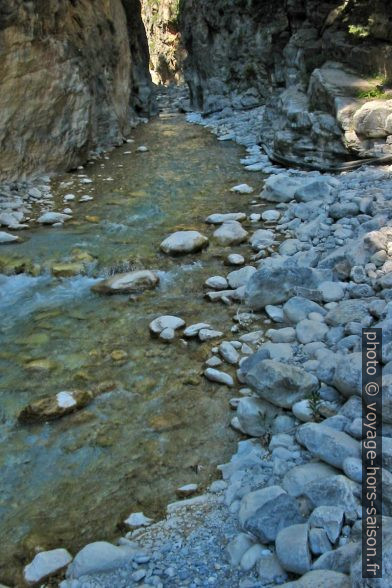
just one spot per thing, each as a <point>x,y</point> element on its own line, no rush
<point>156,424</point>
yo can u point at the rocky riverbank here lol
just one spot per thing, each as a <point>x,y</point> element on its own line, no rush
<point>287,510</point>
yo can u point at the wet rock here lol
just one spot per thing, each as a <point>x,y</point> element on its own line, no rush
<point>46,563</point>
<point>183,242</point>
<point>230,233</point>
<point>279,383</point>
<point>96,557</point>
<point>292,549</point>
<point>54,407</point>
<point>127,283</point>
<point>327,444</point>
<point>50,218</point>
<point>219,377</point>
<point>6,238</point>
<point>166,322</point>
<point>65,270</point>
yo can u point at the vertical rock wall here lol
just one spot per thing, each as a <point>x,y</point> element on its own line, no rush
<point>72,75</point>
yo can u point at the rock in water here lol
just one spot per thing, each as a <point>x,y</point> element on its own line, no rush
<point>183,242</point>
<point>127,283</point>
<point>219,377</point>
<point>230,233</point>
<point>242,189</point>
<point>46,563</point>
<point>166,322</point>
<point>96,557</point>
<point>54,407</point>
<point>6,238</point>
<point>50,218</point>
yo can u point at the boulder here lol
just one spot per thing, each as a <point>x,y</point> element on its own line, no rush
<point>332,491</point>
<point>217,283</point>
<point>274,515</point>
<point>252,501</point>
<point>262,239</point>
<point>229,353</point>
<point>242,189</point>
<point>327,444</point>
<point>240,277</point>
<point>298,308</point>
<point>347,311</point>
<point>296,478</point>
<point>279,383</point>
<point>183,242</point>
<point>339,559</point>
<point>324,578</point>
<point>348,374</point>
<point>96,557</point>
<point>51,408</point>
<point>128,282</point>
<point>277,280</point>
<point>193,330</point>
<point>311,330</point>
<point>238,547</point>
<point>46,563</point>
<point>318,541</point>
<point>280,188</point>
<point>313,190</point>
<point>230,233</point>
<point>372,121</point>
<point>137,520</point>
<point>292,549</point>
<point>251,415</point>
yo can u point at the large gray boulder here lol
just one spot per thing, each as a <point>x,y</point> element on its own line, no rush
<point>296,479</point>
<point>278,279</point>
<point>348,374</point>
<point>339,559</point>
<point>281,188</point>
<point>332,491</point>
<point>46,563</point>
<point>253,501</point>
<point>273,516</point>
<point>230,233</point>
<point>279,383</point>
<point>328,444</point>
<point>251,415</point>
<point>329,518</point>
<point>96,557</point>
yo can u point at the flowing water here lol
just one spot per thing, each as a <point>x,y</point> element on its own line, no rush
<point>157,423</point>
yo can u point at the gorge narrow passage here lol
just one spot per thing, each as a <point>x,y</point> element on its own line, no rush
<point>157,420</point>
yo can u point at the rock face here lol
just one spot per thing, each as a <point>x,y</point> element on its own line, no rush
<point>86,69</point>
<point>161,20</point>
<point>296,58</point>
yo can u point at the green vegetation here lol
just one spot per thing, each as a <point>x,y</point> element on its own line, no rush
<point>379,92</point>
<point>314,402</point>
<point>358,31</point>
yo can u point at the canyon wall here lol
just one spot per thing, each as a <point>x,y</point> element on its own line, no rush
<point>313,64</point>
<point>161,20</point>
<point>73,74</point>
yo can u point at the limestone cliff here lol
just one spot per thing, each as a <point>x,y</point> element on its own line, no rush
<point>161,20</point>
<point>314,64</point>
<point>73,73</point>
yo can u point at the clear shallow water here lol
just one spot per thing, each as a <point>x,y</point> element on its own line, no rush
<point>74,480</point>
